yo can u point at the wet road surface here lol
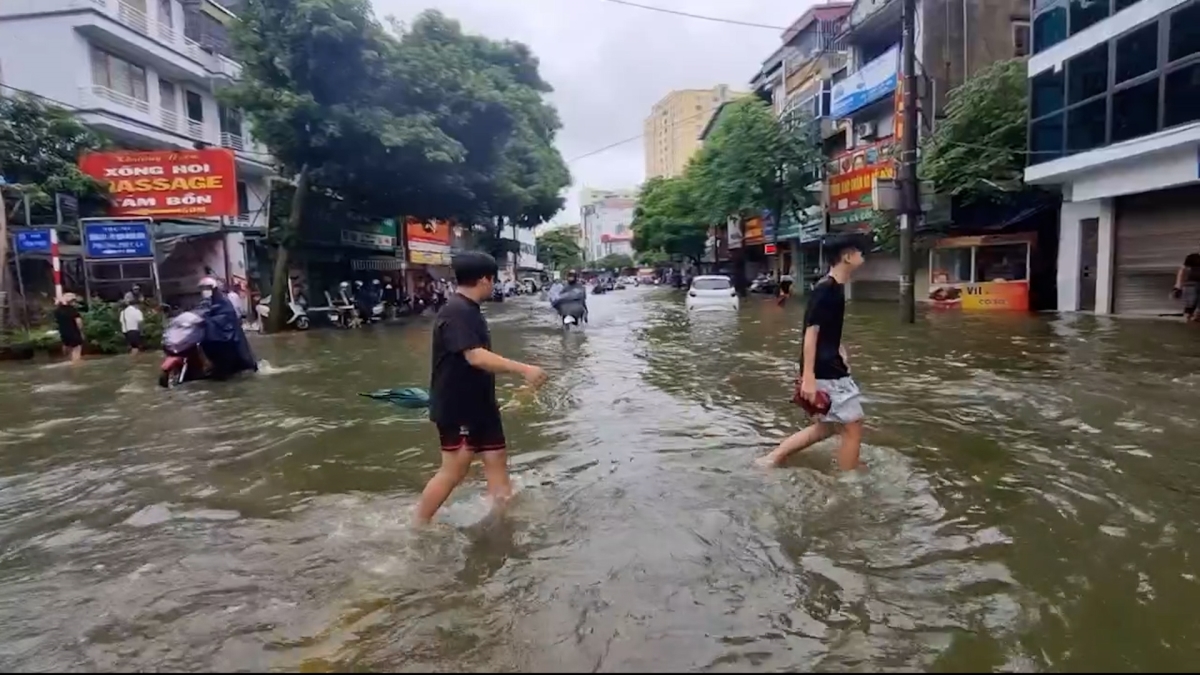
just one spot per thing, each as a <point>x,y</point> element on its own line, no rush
<point>1031,504</point>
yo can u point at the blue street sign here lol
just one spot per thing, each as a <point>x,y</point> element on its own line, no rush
<point>32,241</point>
<point>116,239</point>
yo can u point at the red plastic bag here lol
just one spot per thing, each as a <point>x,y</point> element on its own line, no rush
<point>819,406</point>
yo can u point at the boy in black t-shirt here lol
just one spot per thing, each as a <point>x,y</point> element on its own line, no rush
<point>462,388</point>
<point>70,327</point>
<point>823,364</point>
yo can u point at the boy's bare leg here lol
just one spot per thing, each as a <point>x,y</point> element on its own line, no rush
<point>848,452</point>
<point>797,442</point>
<point>495,470</point>
<point>455,464</point>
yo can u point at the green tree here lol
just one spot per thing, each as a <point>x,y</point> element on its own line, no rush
<point>652,258</point>
<point>558,249</point>
<point>753,161</point>
<point>977,152</point>
<point>667,218</point>
<point>512,174</point>
<point>40,145</point>
<point>613,261</point>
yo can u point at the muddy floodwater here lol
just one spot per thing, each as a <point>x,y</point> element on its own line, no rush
<point>1032,503</point>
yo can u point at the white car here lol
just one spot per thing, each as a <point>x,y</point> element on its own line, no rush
<point>712,292</point>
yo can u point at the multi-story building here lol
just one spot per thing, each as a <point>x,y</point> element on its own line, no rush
<point>606,222</point>
<point>1115,124</point>
<point>144,73</point>
<point>798,80</point>
<point>953,40</point>
<point>671,133</point>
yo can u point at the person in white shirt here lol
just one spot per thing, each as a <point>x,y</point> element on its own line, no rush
<point>131,325</point>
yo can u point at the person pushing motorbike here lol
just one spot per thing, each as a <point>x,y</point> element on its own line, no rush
<point>571,301</point>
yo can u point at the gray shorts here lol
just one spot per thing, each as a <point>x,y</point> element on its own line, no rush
<point>1191,293</point>
<point>845,400</point>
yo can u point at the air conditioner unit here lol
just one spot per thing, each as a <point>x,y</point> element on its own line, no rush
<point>866,130</point>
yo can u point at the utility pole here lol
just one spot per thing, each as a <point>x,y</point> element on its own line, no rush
<point>910,201</point>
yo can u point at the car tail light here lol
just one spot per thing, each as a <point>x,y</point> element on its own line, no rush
<point>692,293</point>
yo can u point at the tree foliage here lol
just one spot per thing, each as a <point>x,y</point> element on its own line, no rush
<point>667,218</point>
<point>559,249</point>
<point>613,261</point>
<point>420,120</point>
<point>751,161</point>
<point>977,152</point>
<point>40,145</point>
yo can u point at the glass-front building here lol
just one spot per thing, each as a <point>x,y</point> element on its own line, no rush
<point>1114,127</point>
<point>1143,80</point>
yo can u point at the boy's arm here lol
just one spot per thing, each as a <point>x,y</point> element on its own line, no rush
<point>809,361</point>
<point>484,359</point>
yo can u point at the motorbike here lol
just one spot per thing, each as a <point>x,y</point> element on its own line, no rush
<point>571,305</point>
<point>181,344</point>
<point>298,313</point>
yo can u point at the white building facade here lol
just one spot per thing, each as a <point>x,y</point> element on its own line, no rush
<point>1115,122</point>
<point>144,73</point>
<point>608,227</point>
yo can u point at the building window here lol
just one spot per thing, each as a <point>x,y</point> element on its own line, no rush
<point>1020,33</point>
<point>119,75</point>
<point>1047,93</point>
<point>1087,74</point>
<point>1135,111</point>
<point>1049,28</point>
<point>1086,13</point>
<point>1182,100</point>
<point>1137,53</point>
<point>195,106</point>
<point>1086,126</point>
<point>1184,32</point>
<point>243,199</point>
<point>1046,139</point>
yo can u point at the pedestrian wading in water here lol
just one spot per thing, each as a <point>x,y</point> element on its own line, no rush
<point>825,387</point>
<point>462,392</point>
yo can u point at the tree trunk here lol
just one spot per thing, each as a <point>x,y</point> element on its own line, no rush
<point>280,290</point>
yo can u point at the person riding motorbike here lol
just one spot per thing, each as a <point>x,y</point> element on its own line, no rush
<point>571,301</point>
<point>363,302</point>
<point>224,347</point>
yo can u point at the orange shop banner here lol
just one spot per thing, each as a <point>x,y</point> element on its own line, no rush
<point>852,190</point>
<point>427,234</point>
<point>164,183</point>
<point>752,231</point>
<point>987,296</point>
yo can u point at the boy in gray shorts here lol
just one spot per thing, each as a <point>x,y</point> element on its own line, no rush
<point>824,360</point>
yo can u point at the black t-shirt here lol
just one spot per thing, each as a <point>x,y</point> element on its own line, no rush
<point>459,392</point>
<point>1192,263</point>
<point>826,310</point>
<point>68,329</point>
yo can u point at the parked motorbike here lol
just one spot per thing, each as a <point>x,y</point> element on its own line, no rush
<point>298,313</point>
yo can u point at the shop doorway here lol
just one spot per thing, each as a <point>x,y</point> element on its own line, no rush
<point>1089,241</point>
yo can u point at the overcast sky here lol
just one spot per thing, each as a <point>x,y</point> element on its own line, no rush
<point>608,63</point>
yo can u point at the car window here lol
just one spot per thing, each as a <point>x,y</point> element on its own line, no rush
<point>711,284</point>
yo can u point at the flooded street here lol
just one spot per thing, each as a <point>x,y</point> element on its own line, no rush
<point>1031,504</point>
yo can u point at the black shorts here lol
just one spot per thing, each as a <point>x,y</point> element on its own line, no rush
<point>134,339</point>
<point>71,339</point>
<point>483,436</point>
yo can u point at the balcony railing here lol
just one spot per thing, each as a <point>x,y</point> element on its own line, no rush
<point>233,141</point>
<point>195,130</point>
<point>164,33</point>
<point>133,17</point>
<point>121,99</point>
<point>170,120</point>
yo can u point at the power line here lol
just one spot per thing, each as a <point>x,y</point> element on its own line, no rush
<point>701,17</point>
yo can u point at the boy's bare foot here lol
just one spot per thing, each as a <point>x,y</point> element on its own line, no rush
<point>766,462</point>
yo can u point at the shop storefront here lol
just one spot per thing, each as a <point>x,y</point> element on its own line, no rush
<point>428,243</point>
<point>988,273</point>
<point>1154,231</point>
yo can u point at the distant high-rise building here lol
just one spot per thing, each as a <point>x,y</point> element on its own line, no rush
<point>672,131</point>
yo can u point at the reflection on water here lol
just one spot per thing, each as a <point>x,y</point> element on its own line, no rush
<point>1029,505</point>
